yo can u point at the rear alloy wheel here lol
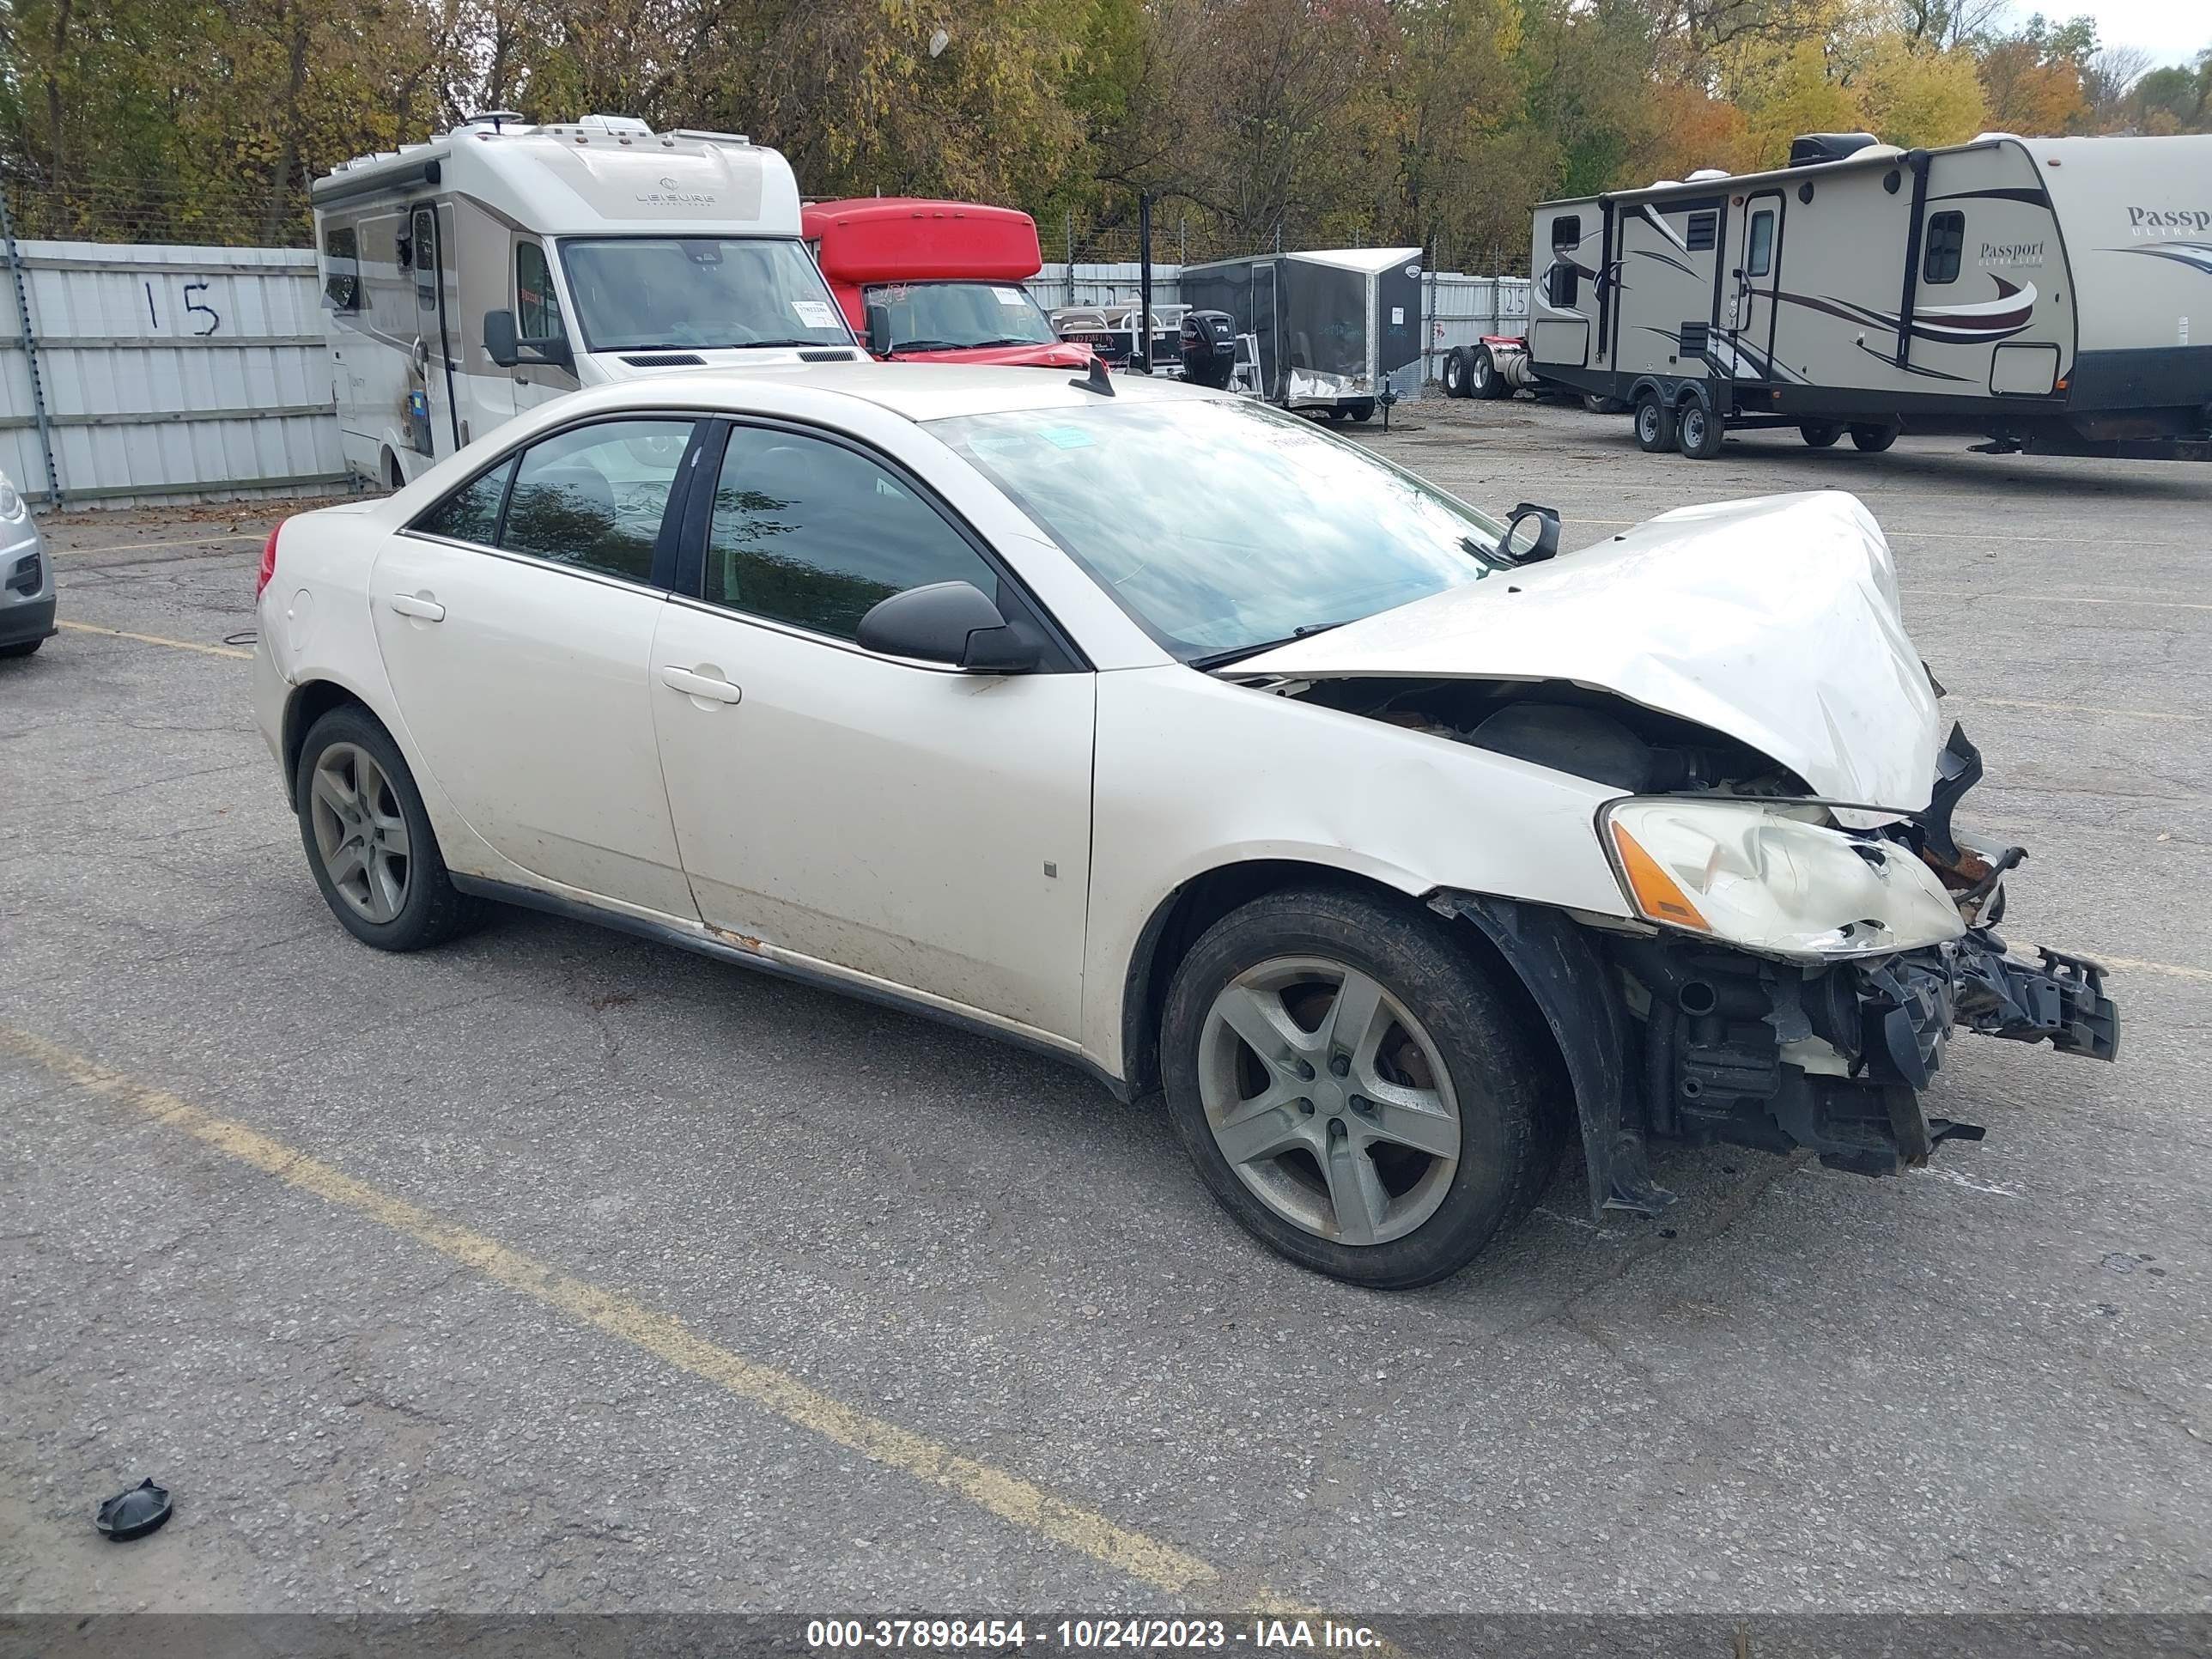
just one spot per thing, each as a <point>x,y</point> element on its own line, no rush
<point>1655,424</point>
<point>1819,434</point>
<point>1873,438</point>
<point>1352,1089</point>
<point>1698,431</point>
<point>1483,380</point>
<point>1454,374</point>
<point>368,840</point>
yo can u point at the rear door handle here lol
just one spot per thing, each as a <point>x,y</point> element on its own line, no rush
<point>693,684</point>
<point>426,609</point>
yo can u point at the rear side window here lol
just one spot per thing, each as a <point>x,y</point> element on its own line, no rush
<point>471,513</point>
<point>1946,244</point>
<point>594,497</point>
<point>342,268</point>
<point>1759,248</point>
<point>1567,231</point>
<point>809,532</point>
<point>1562,283</point>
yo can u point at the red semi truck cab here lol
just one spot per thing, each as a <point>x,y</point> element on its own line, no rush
<point>944,278</point>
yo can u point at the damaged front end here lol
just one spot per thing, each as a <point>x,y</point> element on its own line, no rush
<point>1817,1034</point>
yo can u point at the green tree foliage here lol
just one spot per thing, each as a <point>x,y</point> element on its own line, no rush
<point>1436,122</point>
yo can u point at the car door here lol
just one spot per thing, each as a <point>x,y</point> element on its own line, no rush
<point>516,621</point>
<point>894,821</point>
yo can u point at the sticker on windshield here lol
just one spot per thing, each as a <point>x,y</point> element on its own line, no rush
<point>815,314</point>
<point>1011,296</point>
<point>1065,437</point>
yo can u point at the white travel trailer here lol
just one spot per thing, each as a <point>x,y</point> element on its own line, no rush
<point>2054,293</point>
<point>470,278</point>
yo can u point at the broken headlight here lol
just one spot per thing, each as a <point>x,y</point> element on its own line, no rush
<point>1772,876</point>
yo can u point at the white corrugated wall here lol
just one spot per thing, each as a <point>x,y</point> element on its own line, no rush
<point>168,372</point>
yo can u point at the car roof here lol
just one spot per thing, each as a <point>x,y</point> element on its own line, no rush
<point>919,392</point>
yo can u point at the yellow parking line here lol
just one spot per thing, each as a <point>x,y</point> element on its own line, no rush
<point>181,541</point>
<point>155,639</point>
<point>1006,1496</point>
<point>1977,596</point>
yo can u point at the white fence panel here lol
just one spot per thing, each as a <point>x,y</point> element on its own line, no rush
<point>169,372</point>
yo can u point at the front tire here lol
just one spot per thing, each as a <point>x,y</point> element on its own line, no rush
<point>1352,1089</point>
<point>1655,424</point>
<point>1873,438</point>
<point>20,648</point>
<point>368,840</point>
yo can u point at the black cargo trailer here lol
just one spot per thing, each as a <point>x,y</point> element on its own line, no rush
<point>1319,331</point>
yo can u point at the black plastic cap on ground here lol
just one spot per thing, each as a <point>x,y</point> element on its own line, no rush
<point>135,1513</point>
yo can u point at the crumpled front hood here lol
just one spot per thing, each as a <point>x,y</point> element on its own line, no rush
<point>1774,621</point>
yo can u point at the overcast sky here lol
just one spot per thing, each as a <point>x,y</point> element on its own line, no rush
<point>2176,30</point>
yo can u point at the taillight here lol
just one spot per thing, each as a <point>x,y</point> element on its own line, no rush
<point>268,560</point>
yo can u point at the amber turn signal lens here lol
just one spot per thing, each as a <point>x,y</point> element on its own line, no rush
<point>1654,890</point>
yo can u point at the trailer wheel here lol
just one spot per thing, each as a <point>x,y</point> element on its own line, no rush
<point>1873,439</point>
<point>1483,380</point>
<point>1819,434</point>
<point>1362,410</point>
<point>1455,373</point>
<point>1655,423</point>
<point>1699,431</point>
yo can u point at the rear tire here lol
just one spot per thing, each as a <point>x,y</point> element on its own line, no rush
<point>1873,438</point>
<point>1454,374</point>
<point>1362,410</point>
<point>368,840</point>
<point>1819,434</point>
<point>1438,1048</point>
<point>1483,380</point>
<point>1699,432</point>
<point>1655,424</point>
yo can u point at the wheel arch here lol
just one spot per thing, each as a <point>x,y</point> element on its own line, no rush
<point>307,703</point>
<point>1185,914</point>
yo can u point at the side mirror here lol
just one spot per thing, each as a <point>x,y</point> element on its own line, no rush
<point>879,331</point>
<point>1532,535</point>
<point>950,622</point>
<point>510,350</point>
<point>500,342</point>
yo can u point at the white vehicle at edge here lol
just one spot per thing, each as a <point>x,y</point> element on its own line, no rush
<point>1169,734</point>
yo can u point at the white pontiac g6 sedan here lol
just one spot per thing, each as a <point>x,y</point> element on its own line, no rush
<point>1169,733</point>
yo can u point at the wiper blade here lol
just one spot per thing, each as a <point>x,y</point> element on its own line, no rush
<point>1238,653</point>
<point>749,345</point>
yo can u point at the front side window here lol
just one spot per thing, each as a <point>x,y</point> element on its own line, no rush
<point>593,497</point>
<point>537,306</point>
<point>809,532</point>
<point>663,292</point>
<point>948,316</point>
<point>1562,283</point>
<point>1946,245</point>
<point>1223,526</point>
<point>1759,250</point>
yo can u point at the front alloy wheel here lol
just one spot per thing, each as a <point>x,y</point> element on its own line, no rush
<point>1328,1100</point>
<point>1353,1088</point>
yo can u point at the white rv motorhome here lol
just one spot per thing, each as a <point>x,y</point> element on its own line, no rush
<point>475,275</point>
<point>2054,293</point>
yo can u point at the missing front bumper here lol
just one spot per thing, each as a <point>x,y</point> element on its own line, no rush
<point>1834,1059</point>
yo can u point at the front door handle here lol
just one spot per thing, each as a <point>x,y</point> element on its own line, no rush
<point>712,687</point>
<point>421,606</point>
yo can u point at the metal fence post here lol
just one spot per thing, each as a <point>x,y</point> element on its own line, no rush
<point>30,353</point>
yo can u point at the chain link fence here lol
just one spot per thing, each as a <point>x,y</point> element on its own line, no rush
<point>204,213</point>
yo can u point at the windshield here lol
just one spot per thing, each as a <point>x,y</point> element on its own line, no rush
<point>649,293</point>
<point>1223,526</point>
<point>941,316</point>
